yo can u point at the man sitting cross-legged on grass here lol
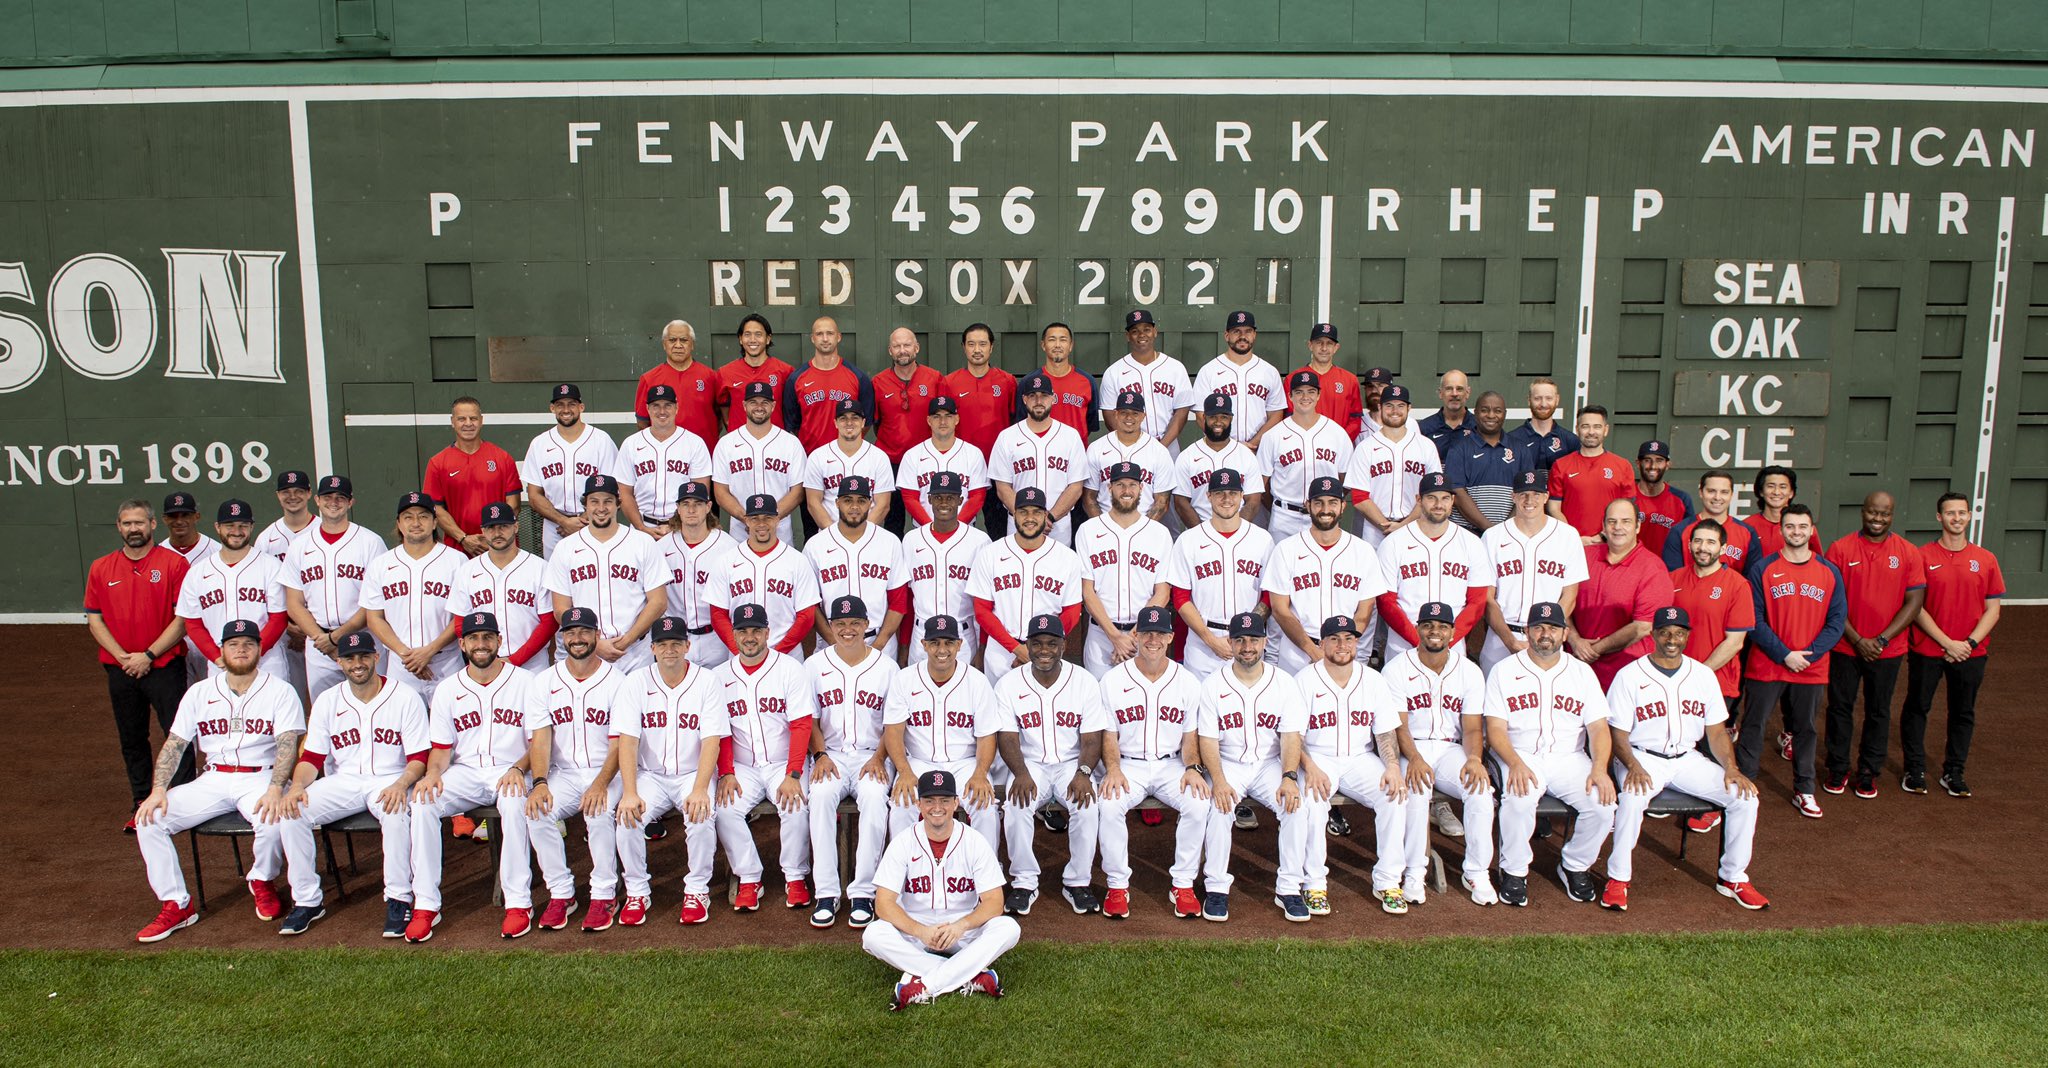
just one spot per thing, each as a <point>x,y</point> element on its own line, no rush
<point>939,903</point>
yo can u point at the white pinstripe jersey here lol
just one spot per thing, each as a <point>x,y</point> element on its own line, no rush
<point>1021,585</point>
<point>1665,714</point>
<point>276,539</point>
<point>746,465</point>
<point>239,730</point>
<point>251,588</point>
<point>655,469</point>
<point>1546,711</point>
<point>202,549</point>
<point>851,699</point>
<point>939,889</point>
<point>559,467</point>
<point>761,704</point>
<point>1530,570</point>
<point>1223,575</point>
<point>828,464</point>
<point>1123,563</point>
<point>689,568</point>
<point>1152,459</point>
<point>1254,387</point>
<point>1248,720</point>
<point>672,721</point>
<point>1164,382</point>
<point>781,581</point>
<point>413,593</point>
<point>1291,457</point>
<point>580,710</point>
<point>489,724</point>
<point>611,578</point>
<point>943,721</point>
<point>1050,720</point>
<point>1198,461</point>
<point>925,460</point>
<point>516,593</point>
<point>1388,471</point>
<point>1150,717</point>
<point>867,567</point>
<point>1321,582</point>
<point>1344,716</point>
<point>1050,461</point>
<point>940,573</point>
<point>1420,569</point>
<point>331,576</point>
<point>368,737</point>
<point>1435,704</point>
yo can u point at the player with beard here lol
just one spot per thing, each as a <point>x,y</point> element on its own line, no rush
<point>1738,538</point>
<point>1666,508</point>
<point>1542,436</point>
<point>235,583</point>
<point>1246,377</point>
<point>557,464</point>
<point>1216,451</point>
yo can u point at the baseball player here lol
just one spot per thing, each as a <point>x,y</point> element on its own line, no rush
<point>1386,470</point>
<point>689,549</point>
<point>1801,612</point>
<point>1584,483</point>
<point>295,499</point>
<point>237,582</point>
<point>1160,379</point>
<point>1533,557</point>
<point>758,457</point>
<point>1542,710</point>
<point>374,733</point>
<point>1430,559</point>
<point>671,722</point>
<point>1216,571</point>
<point>482,723</point>
<point>1666,508</point>
<point>323,581</point>
<point>1251,720</point>
<point>405,599</point>
<point>1317,573</point>
<point>1239,373</point>
<point>1148,751</point>
<point>1351,745</point>
<point>1124,557</point>
<point>854,557</point>
<point>939,904</point>
<point>560,463</point>
<point>1304,447</point>
<point>1738,538</point>
<point>181,518</point>
<point>511,584</point>
<point>1129,444</point>
<point>1058,716</point>
<point>1025,574</point>
<point>248,722</point>
<point>944,451</point>
<point>848,454</point>
<point>1040,452</point>
<point>1886,580</point>
<point>1217,451</point>
<point>763,570</point>
<point>655,462</point>
<point>941,716</point>
<point>1443,738</point>
<point>771,703</point>
<point>1965,596</point>
<point>1659,708</point>
<point>1339,396</point>
<point>853,681</point>
<point>615,571</point>
<point>940,558</point>
<point>577,772</point>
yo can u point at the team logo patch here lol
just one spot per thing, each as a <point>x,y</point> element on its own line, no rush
<point>938,778</point>
<point>924,391</point>
<point>997,391</point>
<point>478,621</point>
<point>490,465</point>
<point>155,575</point>
<point>1894,564</point>
<point>1507,455</point>
<point>1714,594</point>
<point>1973,567</point>
<point>236,510</point>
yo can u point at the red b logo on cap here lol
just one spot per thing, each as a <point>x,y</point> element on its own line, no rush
<point>479,620</point>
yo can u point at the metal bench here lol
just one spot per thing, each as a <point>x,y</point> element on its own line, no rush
<point>234,828</point>
<point>1668,802</point>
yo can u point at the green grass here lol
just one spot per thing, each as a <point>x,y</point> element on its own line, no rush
<point>1921,996</point>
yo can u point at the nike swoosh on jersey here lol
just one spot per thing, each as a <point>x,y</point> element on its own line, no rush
<point>1478,456</point>
<point>117,582</point>
<point>1855,563</point>
<point>1930,567</point>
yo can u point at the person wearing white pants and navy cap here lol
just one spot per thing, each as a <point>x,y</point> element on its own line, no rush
<point>939,904</point>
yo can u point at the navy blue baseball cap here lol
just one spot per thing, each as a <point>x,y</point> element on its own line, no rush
<point>758,391</point>
<point>948,482</point>
<point>1029,497</point>
<point>600,484</point>
<point>1123,469</point>
<point>234,510</point>
<point>1433,482</point>
<point>415,499</point>
<point>1673,616</point>
<point>1240,318</point>
<point>1436,612</point>
<point>1394,392</point>
<point>355,643</point>
<point>1035,382</point>
<point>479,623</point>
<point>1380,375</point>
<point>848,406</point>
<point>1340,624</point>
<point>1325,486</point>
<point>941,628</point>
<point>1045,624</point>
<point>241,628</point>
<point>856,486</point>
<point>336,484</point>
<point>661,393</point>
<point>670,629</point>
<point>1304,380</point>
<point>1247,625</point>
<point>294,480</point>
<point>1653,447</point>
<point>1529,482</point>
<point>847,607</point>
<point>943,405</point>
<point>1223,480</point>
<point>1546,613</point>
<point>750,617</point>
<point>1130,400</point>
<point>181,504</point>
<point>936,783</point>
<point>1154,619</point>
<point>1322,331</point>
<point>1137,318</point>
<point>1217,404</point>
<point>760,504</point>
<point>499,514</point>
<point>579,617</point>
<point>565,391</point>
<point>693,491</point>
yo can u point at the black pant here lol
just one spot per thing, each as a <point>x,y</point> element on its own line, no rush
<point>894,521</point>
<point>133,698</point>
<point>1802,701</point>
<point>995,518</point>
<point>1849,675</point>
<point>1924,674</point>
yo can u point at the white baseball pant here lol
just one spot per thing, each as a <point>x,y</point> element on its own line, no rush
<point>1358,778</point>
<point>1096,652</point>
<point>871,798</point>
<point>567,787</point>
<point>706,650</point>
<point>942,973</point>
<point>641,653</point>
<point>996,662</point>
<point>329,799</point>
<point>758,785</point>
<point>213,793</point>
<point>441,667</point>
<point>1160,779</point>
<point>1445,759</point>
<point>1285,522</point>
<point>665,794</point>
<point>464,787</point>
<point>988,822</point>
<point>1197,657</point>
<point>1697,774</point>
<point>1261,783</point>
<point>1052,781</point>
<point>1563,776</point>
<point>1493,650</point>
<point>1282,653</point>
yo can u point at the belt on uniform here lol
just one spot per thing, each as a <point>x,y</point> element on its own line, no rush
<point>1213,625</point>
<point>1516,628</point>
<point>237,769</point>
<point>705,629</point>
<point>1292,507</point>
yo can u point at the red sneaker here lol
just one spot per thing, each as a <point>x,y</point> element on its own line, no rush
<point>171,917</point>
<point>1117,903</point>
<point>130,828</point>
<point>986,984</point>
<point>268,907</point>
<point>1745,894</point>
<point>635,912</point>
<point>1785,744</point>
<point>599,917</point>
<point>421,926</point>
<point>1185,904</point>
<point>748,899</point>
<point>556,915</point>
<point>796,893</point>
<point>517,922</point>
<point>1151,817</point>
<point>1615,896</point>
<point>908,992</point>
<point>1704,822</point>
<point>696,909</point>
<point>461,826</point>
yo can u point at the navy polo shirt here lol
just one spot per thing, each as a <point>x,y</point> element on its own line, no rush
<point>1545,449</point>
<point>1487,472</point>
<point>1435,429</point>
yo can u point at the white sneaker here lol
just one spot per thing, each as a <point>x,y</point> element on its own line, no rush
<point>1807,805</point>
<point>1446,820</point>
<point>1483,892</point>
<point>1415,887</point>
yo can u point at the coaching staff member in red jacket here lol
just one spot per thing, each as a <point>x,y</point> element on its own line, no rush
<point>131,600</point>
<point>1801,609</point>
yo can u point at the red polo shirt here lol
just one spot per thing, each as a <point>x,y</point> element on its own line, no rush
<point>901,409</point>
<point>1718,605</point>
<point>1583,486</point>
<point>1662,514</point>
<point>137,599</point>
<point>985,404</point>
<point>1958,584</point>
<point>1878,575</point>
<point>698,389</point>
<point>463,482</point>
<point>1341,399</point>
<point>732,391</point>
<point>1615,595</point>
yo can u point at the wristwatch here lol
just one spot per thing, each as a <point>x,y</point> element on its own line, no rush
<point>1972,643</point>
<point>1291,776</point>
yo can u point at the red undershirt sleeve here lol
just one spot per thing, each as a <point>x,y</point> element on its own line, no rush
<point>971,507</point>
<point>1475,607</point>
<point>899,600</point>
<point>1070,617</point>
<point>721,622</point>
<point>195,632</point>
<point>991,627</point>
<point>537,641</point>
<point>1397,620</point>
<point>420,756</point>
<point>913,505</point>
<point>1359,497</point>
<point>799,745</point>
<point>273,629</point>
<point>313,759</point>
<point>725,756</point>
<point>1179,597</point>
<point>798,628</point>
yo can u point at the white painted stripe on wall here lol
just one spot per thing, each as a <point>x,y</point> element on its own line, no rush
<point>309,289</point>
<point>1582,375</point>
<point>1994,353</point>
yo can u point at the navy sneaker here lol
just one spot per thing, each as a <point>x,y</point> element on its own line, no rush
<point>1294,905</point>
<point>302,916</point>
<point>397,915</point>
<point>1216,907</point>
<point>860,912</point>
<point>1514,890</point>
